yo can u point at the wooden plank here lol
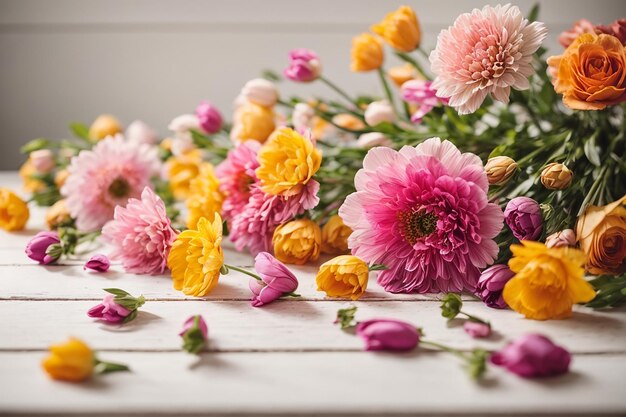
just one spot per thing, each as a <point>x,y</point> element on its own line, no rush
<point>289,325</point>
<point>306,384</point>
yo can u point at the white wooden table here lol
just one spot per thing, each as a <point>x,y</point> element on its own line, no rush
<point>283,359</point>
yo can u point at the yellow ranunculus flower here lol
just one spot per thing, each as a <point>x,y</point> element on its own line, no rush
<point>548,281</point>
<point>72,361</point>
<point>335,236</point>
<point>297,242</point>
<point>344,276</point>
<point>400,29</point>
<point>14,211</point>
<point>104,125</point>
<point>196,258</point>
<point>287,162</point>
<point>180,170</point>
<point>367,53</point>
<point>253,122</point>
<point>601,234</point>
<point>30,184</point>
<point>57,214</point>
<point>403,73</point>
<point>205,197</point>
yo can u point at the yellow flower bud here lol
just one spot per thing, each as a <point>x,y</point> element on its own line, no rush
<point>180,170</point>
<point>60,177</point>
<point>14,211</point>
<point>30,183</point>
<point>500,169</point>
<point>205,197</point>
<point>335,236</point>
<point>297,242</point>
<point>556,176</point>
<point>403,73</point>
<point>253,122</point>
<point>104,125</point>
<point>348,121</point>
<point>367,53</point>
<point>72,361</point>
<point>344,276</point>
<point>400,29</point>
<point>57,214</point>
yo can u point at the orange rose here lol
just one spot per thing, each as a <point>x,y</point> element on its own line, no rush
<point>601,233</point>
<point>591,73</point>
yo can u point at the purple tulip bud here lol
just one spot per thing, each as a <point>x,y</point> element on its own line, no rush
<point>523,216</point>
<point>477,329</point>
<point>109,311</point>
<point>388,334</point>
<point>209,117</point>
<point>491,283</point>
<point>304,65</point>
<point>195,334</point>
<point>533,355</point>
<point>277,280</point>
<point>98,263</point>
<point>44,248</point>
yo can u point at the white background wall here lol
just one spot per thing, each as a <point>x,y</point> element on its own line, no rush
<point>69,60</point>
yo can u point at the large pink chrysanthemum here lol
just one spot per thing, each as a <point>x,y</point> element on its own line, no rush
<point>423,212</point>
<point>106,176</point>
<point>486,51</point>
<point>141,234</point>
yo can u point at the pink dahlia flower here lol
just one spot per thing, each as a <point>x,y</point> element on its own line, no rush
<point>422,93</point>
<point>423,212</point>
<point>107,176</point>
<point>141,234</point>
<point>486,51</point>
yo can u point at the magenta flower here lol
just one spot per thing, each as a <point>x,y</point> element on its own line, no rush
<point>195,334</point>
<point>487,51</point>
<point>209,117</point>
<point>388,334</point>
<point>420,92</point>
<point>424,213</point>
<point>98,263</point>
<point>109,311</point>
<point>141,234</point>
<point>491,283</point>
<point>44,247</point>
<point>477,329</point>
<point>523,216</point>
<point>304,65</point>
<point>277,280</point>
<point>533,355</point>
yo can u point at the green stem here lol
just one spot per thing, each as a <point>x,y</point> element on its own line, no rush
<point>474,318</point>
<point>408,58</point>
<point>243,271</point>
<point>383,80</point>
<point>88,237</point>
<point>337,89</point>
<point>444,348</point>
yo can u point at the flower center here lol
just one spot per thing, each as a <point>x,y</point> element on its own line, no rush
<point>416,224</point>
<point>119,188</point>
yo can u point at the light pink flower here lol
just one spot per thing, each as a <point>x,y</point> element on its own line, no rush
<point>109,311</point>
<point>486,51</point>
<point>582,26</point>
<point>139,132</point>
<point>276,280</point>
<point>424,213</point>
<point>141,234</point>
<point>107,176</point>
<point>209,117</point>
<point>476,329</point>
<point>422,93</point>
<point>98,263</point>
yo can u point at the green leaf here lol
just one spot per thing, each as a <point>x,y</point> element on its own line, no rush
<point>35,145</point>
<point>592,151</point>
<point>80,130</point>
<point>117,292</point>
<point>271,75</point>
<point>451,305</point>
<point>534,13</point>
<point>108,367</point>
<point>377,267</point>
<point>345,318</point>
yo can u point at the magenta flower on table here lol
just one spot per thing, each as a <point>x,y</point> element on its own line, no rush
<point>141,234</point>
<point>487,51</point>
<point>276,280</point>
<point>98,263</point>
<point>424,213</point>
<point>388,334</point>
<point>105,177</point>
<point>477,329</point>
<point>109,311</point>
<point>304,65</point>
<point>209,117</point>
<point>195,334</point>
<point>533,355</point>
<point>44,247</point>
<point>421,93</point>
<point>523,216</point>
<point>491,284</point>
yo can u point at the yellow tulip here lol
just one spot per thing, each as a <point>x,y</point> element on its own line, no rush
<point>14,211</point>
<point>72,361</point>
<point>400,29</point>
<point>180,170</point>
<point>345,276</point>
<point>297,242</point>
<point>403,73</point>
<point>253,122</point>
<point>104,125</point>
<point>335,236</point>
<point>205,197</point>
<point>367,53</point>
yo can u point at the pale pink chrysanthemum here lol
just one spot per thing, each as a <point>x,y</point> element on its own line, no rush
<point>106,176</point>
<point>423,212</point>
<point>486,51</point>
<point>141,234</point>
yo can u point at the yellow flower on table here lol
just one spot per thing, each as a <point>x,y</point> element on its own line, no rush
<point>335,236</point>
<point>196,257</point>
<point>400,29</point>
<point>287,162</point>
<point>548,281</point>
<point>205,197</point>
<point>72,361</point>
<point>367,53</point>
<point>180,170</point>
<point>345,276</point>
<point>14,211</point>
<point>297,242</point>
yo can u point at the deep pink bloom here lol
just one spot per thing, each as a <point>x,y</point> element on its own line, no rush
<point>388,334</point>
<point>617,29</point>
<point>422,93</point>
<point>477,329</point>
<point>209,117</point>
<point>141,234</point>
<point>424,213</point>
<point>487,51</point>
<point>304,65</point>
<point>277,280</point>
<point>190,324</point>
<point>582,26</point>
<point>491,283</point>
<point>37,247</point>
<point>98,263</point>
<point>105,177</point>
<point>109,311</point>
<point>523,216</point>
<point>533,355</point>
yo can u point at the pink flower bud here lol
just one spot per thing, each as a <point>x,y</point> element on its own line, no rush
<point>562,238</point>
<point>209,117</point>
<point>195,334</point>
<point>42,160</point>
<point>260,91</point>
<point>109,311</point>
<point>139,132</point>
<point>371,139</point>
<point>523,216</point>
<point>277,280</point>
<point>533,355</point>
<point>477,329</point>
<point>98,263</point>
<point>491,283</point>
<point>388,334</point>
<point>378,112</point>
<point>44,247</point>
<point>190,324</point>
<point>304,65</point>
